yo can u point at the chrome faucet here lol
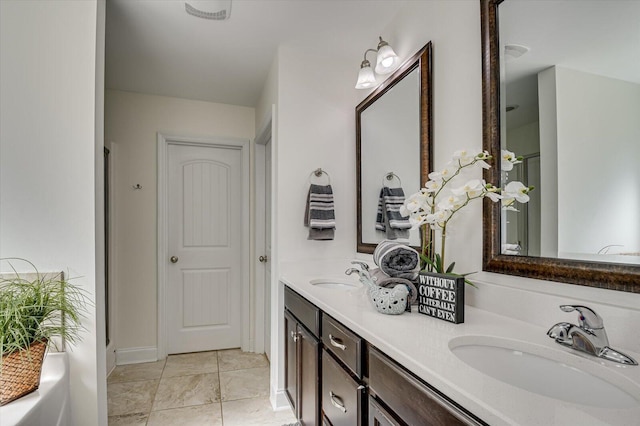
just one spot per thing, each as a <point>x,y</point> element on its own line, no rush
<point>363,271</point>
<point>588,336</point>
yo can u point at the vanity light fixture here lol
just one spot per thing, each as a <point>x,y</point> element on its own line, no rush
<point>386,62</point>
<point>387,58</point>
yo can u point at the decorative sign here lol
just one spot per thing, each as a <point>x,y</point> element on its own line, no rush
<point>441,296</point>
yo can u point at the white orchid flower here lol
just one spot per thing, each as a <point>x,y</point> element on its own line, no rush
<point>508,160</point>
<point>482,164</point>
<point>463,157</point>
<point>417,221</point>
<point>440,216</point>
<point>493,196</point>
<point>451,202</point>
<point>432,185</point>
<point>435,176</point>
<point>415,202</point>
<point>473,188</point>
<point>516,190</point>
<point>448,171</point>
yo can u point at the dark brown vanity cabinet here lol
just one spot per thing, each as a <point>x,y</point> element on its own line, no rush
<point>406,399</point>
<point>302,358</point>
<point>335,378</point>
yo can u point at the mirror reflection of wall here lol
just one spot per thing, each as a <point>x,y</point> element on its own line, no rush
<point>390,142</point>
<point>571,102</point>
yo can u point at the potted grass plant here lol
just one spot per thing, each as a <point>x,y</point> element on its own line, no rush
<point>36,310</point>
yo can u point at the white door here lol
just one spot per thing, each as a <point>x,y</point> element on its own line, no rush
<point>267,251</point>
<point>204,277</point>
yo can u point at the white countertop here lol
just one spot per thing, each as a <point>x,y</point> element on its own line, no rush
<point>421,344</point>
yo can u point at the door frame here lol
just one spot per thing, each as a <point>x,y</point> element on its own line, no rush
<point>112,265</point>
<point>164,140</point>
<point>264,136</point>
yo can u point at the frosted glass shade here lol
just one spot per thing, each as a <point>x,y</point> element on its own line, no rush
<point>366,78</point>
<point>386,61</point>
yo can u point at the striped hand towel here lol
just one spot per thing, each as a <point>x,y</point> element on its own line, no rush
<point>389,219</point>
<point>319,215</point>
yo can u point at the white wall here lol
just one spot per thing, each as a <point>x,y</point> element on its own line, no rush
<point>132,122</point>
<point>524,140</point>
<point>598,152</point>
<point>316,128</point>
<point>548,163</point>
<point>454,29</point>
<point>268,97</point>
<point>50,162</point>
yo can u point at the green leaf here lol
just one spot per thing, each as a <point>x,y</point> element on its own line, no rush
<point>450,268</point>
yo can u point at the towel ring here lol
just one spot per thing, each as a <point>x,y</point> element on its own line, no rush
<point>389,177</point>
<point>319,172</point>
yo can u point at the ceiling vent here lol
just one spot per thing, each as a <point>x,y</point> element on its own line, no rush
<point>217,10</point>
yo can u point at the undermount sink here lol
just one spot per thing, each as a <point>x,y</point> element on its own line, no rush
<point>334,283</point>
<point>546,372</point>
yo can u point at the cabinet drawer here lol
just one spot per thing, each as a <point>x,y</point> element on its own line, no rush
<point>413,401</point>
<point>378,416</point>
<point>341,395</point>
<point>303,310</point>
<point>343,343</point>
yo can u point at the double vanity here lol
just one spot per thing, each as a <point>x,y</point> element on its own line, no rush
<point>347,364</point>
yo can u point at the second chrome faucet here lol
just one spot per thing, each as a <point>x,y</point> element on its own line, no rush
<point>588,336</point>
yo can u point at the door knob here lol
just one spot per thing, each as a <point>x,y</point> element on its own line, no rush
<point>263,259</point>
<point>174,259</point>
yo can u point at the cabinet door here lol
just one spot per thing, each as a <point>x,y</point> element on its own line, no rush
<point>291,361</point>
<point>309,384</point>
<point>342,397</point>
<point>378,416</point>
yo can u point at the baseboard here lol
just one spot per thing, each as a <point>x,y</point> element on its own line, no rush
<point>111,357</point>
<point>136,355</point>
<point>279,401</point>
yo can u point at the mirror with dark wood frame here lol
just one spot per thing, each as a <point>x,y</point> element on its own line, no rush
<point>604,274</point>
<point>393,143</point>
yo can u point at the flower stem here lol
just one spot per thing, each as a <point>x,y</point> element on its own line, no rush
<point>442,248</point>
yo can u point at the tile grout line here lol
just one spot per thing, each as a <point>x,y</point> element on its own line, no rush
<point>153,400</point>
<point>220,388</point>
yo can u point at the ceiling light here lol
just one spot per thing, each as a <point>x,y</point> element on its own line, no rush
<point>386,62</point>
<point>217,10</point>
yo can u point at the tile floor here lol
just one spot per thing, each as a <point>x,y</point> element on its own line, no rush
<point>228,387</point>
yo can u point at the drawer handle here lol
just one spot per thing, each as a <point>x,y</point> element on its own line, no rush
<point>336,402</point>
<point>336,342</point>
<point>295,336</point>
